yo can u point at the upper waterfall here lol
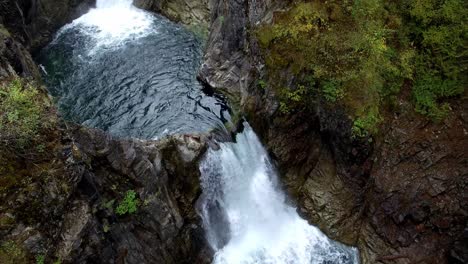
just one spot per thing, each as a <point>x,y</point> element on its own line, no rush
<point>113,3</point>
<point>112,23</point>
<point>246,215</point>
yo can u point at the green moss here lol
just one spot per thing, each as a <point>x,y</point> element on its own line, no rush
<point>12,253</point>
<point>6,222</point>
<point>200,31</point>
<point>4,31</point>
<point>24,114</point>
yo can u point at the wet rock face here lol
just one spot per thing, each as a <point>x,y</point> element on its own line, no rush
<point>34,22</point>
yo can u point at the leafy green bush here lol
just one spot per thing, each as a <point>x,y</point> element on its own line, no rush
<point>23,114</point>
<point>427,91</point>
<point>129,204</point>
<point>340,46</point>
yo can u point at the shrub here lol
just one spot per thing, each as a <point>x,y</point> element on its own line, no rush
<point>129,204</point>
<point>262,84</point>
<point>428,90</point>
<point>440,30</point>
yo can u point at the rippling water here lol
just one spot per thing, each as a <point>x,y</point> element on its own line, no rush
<point>129,72</point>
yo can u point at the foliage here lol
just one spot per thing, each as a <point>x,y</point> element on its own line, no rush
<point>129,204</point>
<point>367,123</point>
<point>428,89</point>
<point>291,99</point>
<point>332,91</point>
<point>23,114</point>
<point>440,29</point>
<point>12,253</point>
<point>262,84</point>
<point>360,53</point>
<point>40,259</point>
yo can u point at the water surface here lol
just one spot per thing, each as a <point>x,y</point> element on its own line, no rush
<point>130,73</point>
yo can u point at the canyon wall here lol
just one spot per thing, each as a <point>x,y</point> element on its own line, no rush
<point>399,196</point>
<point>82,196</point>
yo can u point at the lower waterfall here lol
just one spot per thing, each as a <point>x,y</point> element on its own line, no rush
<point>246,216</point>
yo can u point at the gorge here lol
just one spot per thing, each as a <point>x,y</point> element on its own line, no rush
<point>143,163</point>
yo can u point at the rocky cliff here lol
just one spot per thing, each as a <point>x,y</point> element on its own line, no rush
<point>33,22</point>
<point>398,196</point>
<point>82,196</point>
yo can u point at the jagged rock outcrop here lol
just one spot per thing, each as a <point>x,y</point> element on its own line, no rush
<point>80,195</point>
<point>193,13</point>
<point>399,198</point>
<point>165,176</point>
<point>416,199</point>
<point>34,22</point>
<point>14,58</point>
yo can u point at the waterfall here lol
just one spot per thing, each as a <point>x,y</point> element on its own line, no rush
<point>246,216</point>
<point>112,23</point>
<point>113,3</point>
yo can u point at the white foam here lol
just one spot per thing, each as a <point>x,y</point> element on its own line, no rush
<point>112,23</point>
<point>263,228</point>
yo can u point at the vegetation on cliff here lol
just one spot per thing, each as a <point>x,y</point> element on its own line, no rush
<point>25,116</point>
<point>29,142</point>
<point>362,54</point>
